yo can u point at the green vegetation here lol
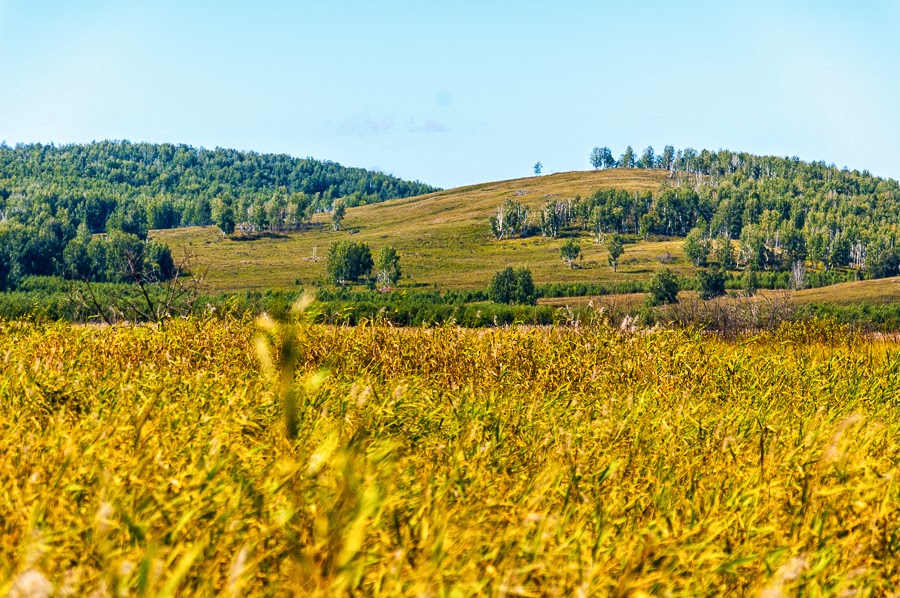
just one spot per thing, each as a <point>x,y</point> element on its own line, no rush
<point>53,197</point>
<point>712,283</point>
<point>388,267</point>
<point>570,252</point>
<point>615,249</point>
<point>443,239</point>
<point>664,287</point>
<point>348,261</point>
<point>513,286</point>
<point>377,460</point>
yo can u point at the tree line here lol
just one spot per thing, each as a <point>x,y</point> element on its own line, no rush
<point>778,211</point>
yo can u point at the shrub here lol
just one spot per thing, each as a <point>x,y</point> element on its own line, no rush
<point>664,287</point>
<point>513,286</point>
<point>711,282</point>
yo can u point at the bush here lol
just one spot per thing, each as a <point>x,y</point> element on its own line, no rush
<point>711,282</point>
<point>664,287</point>
<point>513,286</point>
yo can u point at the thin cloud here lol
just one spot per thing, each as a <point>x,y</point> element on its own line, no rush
<point>428,127</point>
<point>366,126</point>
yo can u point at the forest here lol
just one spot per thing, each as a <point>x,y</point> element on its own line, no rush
<point>52,198</point>
<point>781,211</point>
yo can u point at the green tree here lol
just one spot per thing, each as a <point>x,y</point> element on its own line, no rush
<point>570,251</point>
<point>13,238</point>
<point>608,160</point>
<point>664,287</point>
<point>793,246</point>
<point>648,158</point>
<point>627,160</point>
<point>667,160</point>
<point>696,247</point>
<point>524,292</point>
<point>225,220</point>
<point>512,286</point>
<point>348,261</point>
<point>538,167</point>
<point>724,253</point>
<point>158,262</point>
<point>338,209</point>
<point>124,257</point>
<point>130,218</point>
<point>77,261</point>
<point>711,282</point>
<point>615,248</point>
<point>388,266</point>
<point>883,263</point>
<point>750,282</point>
<point>597,158</point>
<point>511,218</point>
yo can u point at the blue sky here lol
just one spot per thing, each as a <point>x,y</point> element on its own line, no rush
<point>461,92</point>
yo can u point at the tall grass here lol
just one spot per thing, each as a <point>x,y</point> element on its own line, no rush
<point>226,457</point>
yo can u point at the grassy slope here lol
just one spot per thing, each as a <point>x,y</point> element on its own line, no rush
<point>443,238</point>
<point>870,292</point>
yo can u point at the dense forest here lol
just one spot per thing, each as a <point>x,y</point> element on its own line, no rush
<point>781,211</point>
<point>53,198</point>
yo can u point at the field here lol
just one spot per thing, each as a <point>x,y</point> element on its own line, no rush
<point>444,239</point>
<point>865,292</point>
<point>227,457</point>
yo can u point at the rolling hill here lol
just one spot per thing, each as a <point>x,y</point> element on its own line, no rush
<point>444,239</point>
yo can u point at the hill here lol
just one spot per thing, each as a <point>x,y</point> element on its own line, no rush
<point>173,185</point>
<point>443,237</point>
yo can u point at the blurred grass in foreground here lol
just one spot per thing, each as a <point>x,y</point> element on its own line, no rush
<point>223,457</point>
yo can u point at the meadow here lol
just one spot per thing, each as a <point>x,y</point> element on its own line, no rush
<point>231,457</point>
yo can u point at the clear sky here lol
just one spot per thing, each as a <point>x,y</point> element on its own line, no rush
<point>458,92</point>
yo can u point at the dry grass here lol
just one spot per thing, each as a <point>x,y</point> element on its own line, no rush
<point>446,462</point>
<point>871,292</point>
<point>444,239</point>
<point>865,292</point>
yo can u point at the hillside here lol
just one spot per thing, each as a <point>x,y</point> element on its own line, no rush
<point>173,185</point>
<point>443,237</point>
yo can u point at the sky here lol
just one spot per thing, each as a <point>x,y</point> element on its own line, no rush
<point>461,92</point>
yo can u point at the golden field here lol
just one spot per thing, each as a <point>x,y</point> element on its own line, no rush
<point>232,458</point>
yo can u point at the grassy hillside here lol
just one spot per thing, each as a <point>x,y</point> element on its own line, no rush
<point>443,238</point>
<point>864,292</point>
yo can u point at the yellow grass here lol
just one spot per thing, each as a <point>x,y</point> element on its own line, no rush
<point>446,462</point>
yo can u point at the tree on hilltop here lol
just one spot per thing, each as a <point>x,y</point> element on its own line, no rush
<point>627,159</point>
